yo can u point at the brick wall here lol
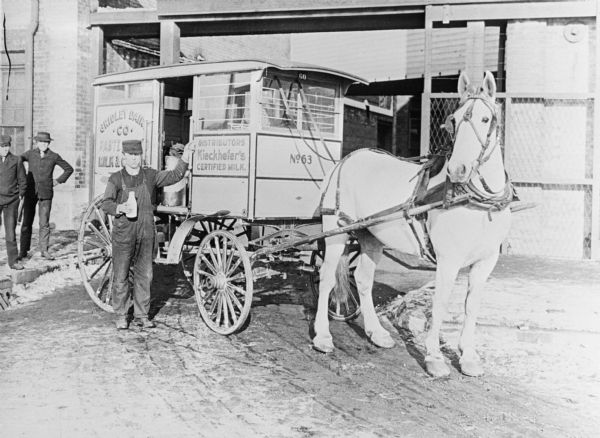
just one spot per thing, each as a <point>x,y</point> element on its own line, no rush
<point>62,102</point>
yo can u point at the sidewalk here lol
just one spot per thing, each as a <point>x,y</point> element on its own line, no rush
<point>63,245</point>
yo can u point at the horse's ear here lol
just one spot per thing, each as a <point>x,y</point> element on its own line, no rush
<point>489,85</point>
<point>463,83</point>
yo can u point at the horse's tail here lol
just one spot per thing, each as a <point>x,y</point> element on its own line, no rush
<point>341,290</point>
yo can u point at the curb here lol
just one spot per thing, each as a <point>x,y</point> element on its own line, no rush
<point>27,275</point>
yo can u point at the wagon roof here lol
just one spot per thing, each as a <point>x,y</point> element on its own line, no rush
<point>206,67</point>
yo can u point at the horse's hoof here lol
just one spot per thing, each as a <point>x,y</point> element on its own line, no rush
<point>382,339</point>
<point>471,368</point>
<point>436,367</point>
<point>323,345</point>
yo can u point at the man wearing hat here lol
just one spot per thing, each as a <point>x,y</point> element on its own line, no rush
<point>133,231</point>
<point>13,183</point>
<point>40,190</point>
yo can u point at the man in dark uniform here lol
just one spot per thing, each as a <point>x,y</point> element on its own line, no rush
<point>133,237</point>
<point>13,183</point>
<point>40,190</point>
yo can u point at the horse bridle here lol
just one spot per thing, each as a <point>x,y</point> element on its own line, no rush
<point>468,117</point>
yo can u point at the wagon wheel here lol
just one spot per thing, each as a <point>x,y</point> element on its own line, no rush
<point>223,282</point>
<point>94,254</point>
<point>200,230</point>
<point>340,311</point>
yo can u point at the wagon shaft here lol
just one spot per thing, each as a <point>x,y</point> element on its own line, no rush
<point>402,211</point>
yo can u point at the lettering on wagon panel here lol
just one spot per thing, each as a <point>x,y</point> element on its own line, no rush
<point>115,124</point>
<point>222,155</point>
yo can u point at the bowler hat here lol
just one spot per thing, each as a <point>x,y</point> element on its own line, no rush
<point>132,146</point>
<point>43,136</point>
<point>4,140</point>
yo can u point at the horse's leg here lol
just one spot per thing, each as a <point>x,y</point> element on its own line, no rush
<point>370,254</point>
<point>334,247</point>
<point>470,364</point>
<point>445,276</point>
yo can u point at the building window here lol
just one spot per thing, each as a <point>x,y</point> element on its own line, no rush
<point>12,107</point>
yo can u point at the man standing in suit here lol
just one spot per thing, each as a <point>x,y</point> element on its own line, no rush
<point>13,183</point>
<point>40,189</point>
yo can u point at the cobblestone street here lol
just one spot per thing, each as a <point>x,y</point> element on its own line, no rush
<point>66,372</point>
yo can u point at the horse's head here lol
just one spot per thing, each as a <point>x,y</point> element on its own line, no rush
<point>473,126</point>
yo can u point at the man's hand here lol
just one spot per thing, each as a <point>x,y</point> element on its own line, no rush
<point>123,208</point>
<point>187,152</point>
<point>55,182</point>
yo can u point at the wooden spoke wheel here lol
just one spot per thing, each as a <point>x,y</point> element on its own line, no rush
<point>338,310</point>
<point>94,255</point>
<point>200,230</point>
<point>223,282</point>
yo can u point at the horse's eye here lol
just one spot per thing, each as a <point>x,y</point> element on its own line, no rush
<point>485,119</point>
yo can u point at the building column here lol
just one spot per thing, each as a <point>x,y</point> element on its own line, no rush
<point>170,36</point>
<point>595,237</point>
<point>426,96</point>
<point>474,59</point>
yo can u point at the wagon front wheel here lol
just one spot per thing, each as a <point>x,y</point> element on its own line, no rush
<point>223,283</point>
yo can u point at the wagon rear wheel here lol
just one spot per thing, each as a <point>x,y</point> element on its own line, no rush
<point>223,282</point>
<point>338,310</point>
<point>94,255</point>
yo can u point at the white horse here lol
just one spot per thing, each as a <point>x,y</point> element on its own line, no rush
<point>466,235</point>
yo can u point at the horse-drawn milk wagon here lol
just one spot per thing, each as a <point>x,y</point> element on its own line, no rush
<point>265,136</point>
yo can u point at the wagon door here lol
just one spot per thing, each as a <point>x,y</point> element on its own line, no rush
<point>222,127</point>
<point>124,111</point>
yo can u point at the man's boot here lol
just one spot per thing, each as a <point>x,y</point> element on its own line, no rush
<point>121,322</point>
<point>144,322</point>
<point>17,266</point>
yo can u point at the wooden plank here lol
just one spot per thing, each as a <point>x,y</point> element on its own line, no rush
<point>595,237</point>
<point>534,95</point>
<point>212,7</point>
<point>514,11</point>
<point>122,17</point>
<point>170,37</point>
<point>98,43</point>
<point>475,49</point>
<point>426,97</point>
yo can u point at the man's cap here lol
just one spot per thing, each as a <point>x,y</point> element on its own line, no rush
<point>5,140</point>
<point>132,146</point>
<point>43,136</point>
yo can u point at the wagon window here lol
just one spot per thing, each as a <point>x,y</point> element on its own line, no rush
<point>224,101</point>
<point>284,108</point>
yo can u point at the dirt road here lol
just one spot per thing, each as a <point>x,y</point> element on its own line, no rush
<point>66,372</point>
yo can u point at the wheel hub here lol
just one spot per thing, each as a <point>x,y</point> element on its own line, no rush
<point>220,281</point>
